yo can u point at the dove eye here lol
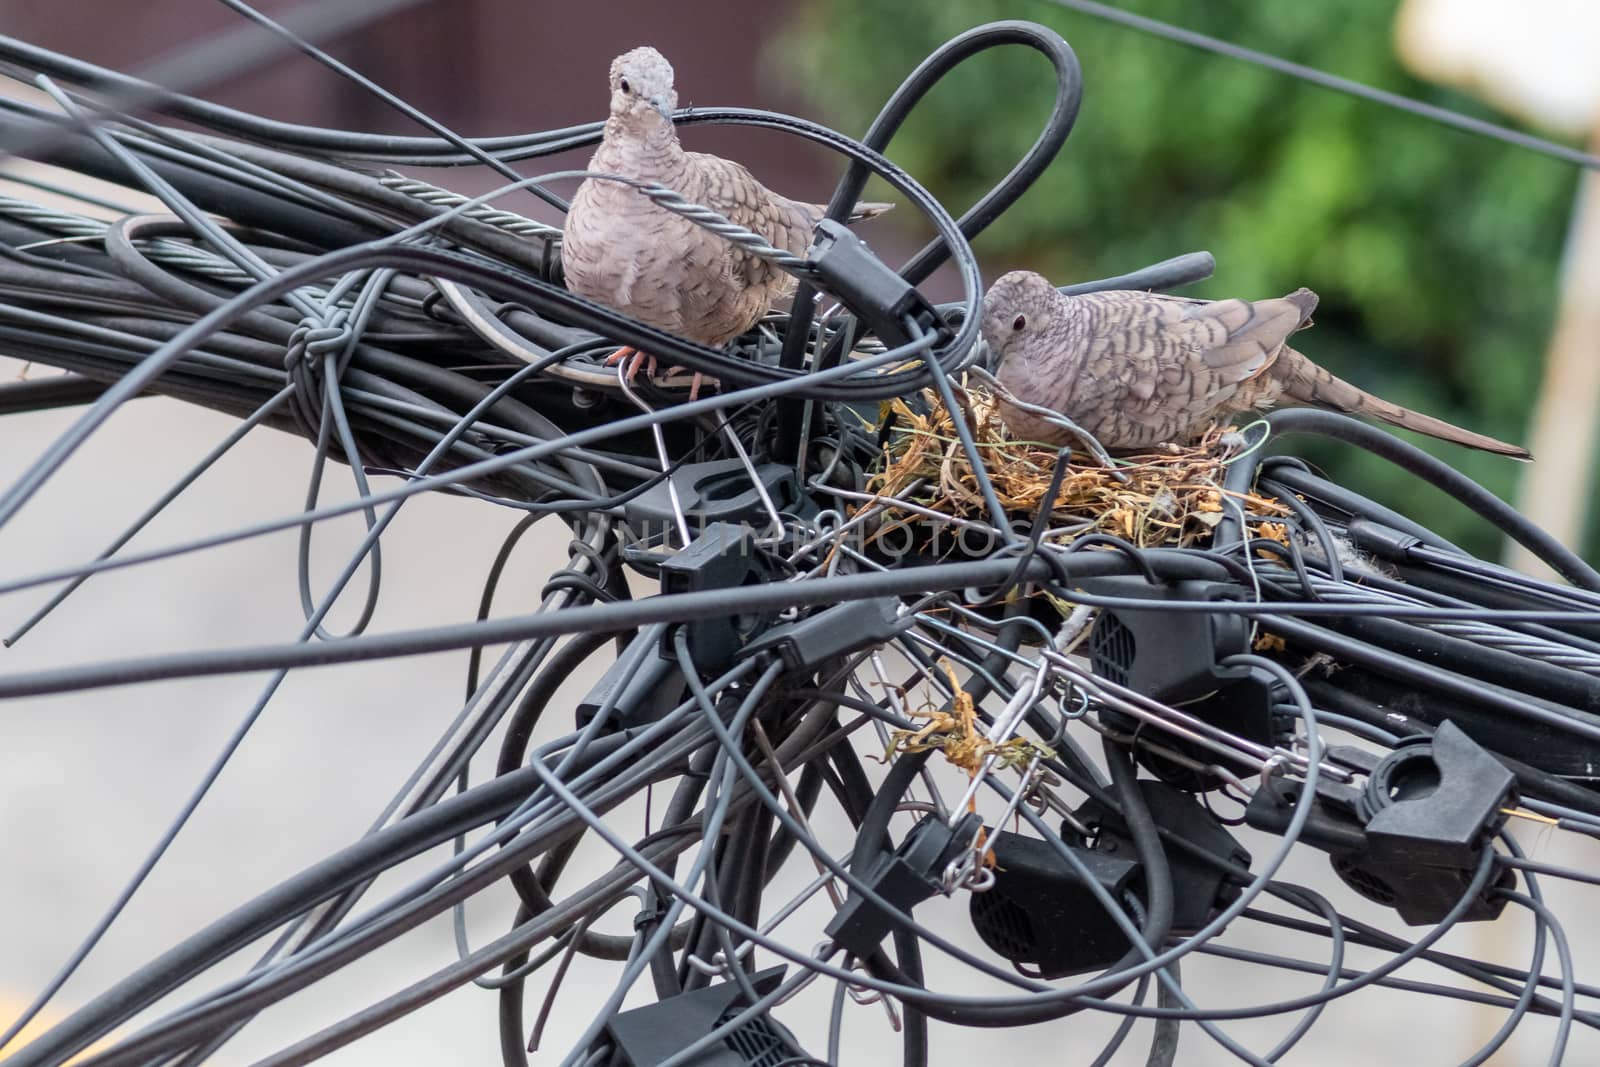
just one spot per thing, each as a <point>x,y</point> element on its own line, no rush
<point>1019,322</point>
<point>623,85</point>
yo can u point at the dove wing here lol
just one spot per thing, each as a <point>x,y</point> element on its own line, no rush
<point>731,190</point>
<point>1169,361</point>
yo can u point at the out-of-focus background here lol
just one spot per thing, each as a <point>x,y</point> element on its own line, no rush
<point>1449,267</point>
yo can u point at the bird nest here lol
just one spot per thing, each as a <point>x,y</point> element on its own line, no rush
<point>1172,496</point>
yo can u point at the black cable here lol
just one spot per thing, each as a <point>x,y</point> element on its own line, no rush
<point>1293,473</point>
<point>1412,590</point>
<point>414,368</point>
<point>42,394</point>
<point>519,733</point>
<point>1309,520</point>
<point>1124,1026</point>
<point>1506,669</point>
<point>1493,975</point>
<point>1424,675</point>
<point>298,972</point>
<point>1174,273</point>
<point>376,90</point>
<point>513,1045</point>
<point>432,826</point>
<point>1164,1037</point>
<point>1410,458</point>
<point>490,584</point>
<point>1159,899</point>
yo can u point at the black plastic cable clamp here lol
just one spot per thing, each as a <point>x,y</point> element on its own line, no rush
<point>640,692</point>
<point>904,878</point>
<point>868,286</point>
<point>724,556</point>
<point>837,631</point>
<point>717,491</point>
<point>1413,836</point>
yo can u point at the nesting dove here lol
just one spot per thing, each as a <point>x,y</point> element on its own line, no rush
<point>624,251</point>
<point>1137,369</point>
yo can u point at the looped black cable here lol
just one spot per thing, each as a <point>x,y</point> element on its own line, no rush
<point>1290,554</point>
<point>1057,128</point>
<point>1063,114</point>
<point>130,260</point>
<point>597,559</point>
<point>567,578</point>
<point>434,306</point>
<point>1309,521</point>
<point>1028,553</point>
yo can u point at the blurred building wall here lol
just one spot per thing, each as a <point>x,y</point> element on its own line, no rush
<point>480,66</point>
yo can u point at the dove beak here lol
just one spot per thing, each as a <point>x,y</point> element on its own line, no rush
<point>660,104</point>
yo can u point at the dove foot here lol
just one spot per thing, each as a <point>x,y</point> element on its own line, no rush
<point>635,359</point>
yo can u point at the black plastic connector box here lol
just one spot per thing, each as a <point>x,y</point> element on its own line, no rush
<point>1199,886</point>
<point>1172,656</point>
<point>1041,913</point>
<point>656,1033</point>
<point>1176,657</point>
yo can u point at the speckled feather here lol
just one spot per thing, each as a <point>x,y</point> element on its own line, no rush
<point>624,251</point>
<point>1139,369</point>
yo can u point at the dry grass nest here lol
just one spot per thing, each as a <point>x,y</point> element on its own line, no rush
<point>1172,496</point>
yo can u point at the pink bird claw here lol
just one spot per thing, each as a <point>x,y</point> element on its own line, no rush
<point>635,359</point>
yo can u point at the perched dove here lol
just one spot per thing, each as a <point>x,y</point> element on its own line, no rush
<point>1137,369</point>
<point>624,251</point>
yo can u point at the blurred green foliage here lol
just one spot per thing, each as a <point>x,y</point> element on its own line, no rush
<point>1435,252</point>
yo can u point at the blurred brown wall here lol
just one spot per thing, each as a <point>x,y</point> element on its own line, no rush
<point>480,66</point>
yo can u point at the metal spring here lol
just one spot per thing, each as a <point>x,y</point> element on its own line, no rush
<point>163,250</point>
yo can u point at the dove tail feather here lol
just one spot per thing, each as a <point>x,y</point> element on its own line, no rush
<point>1305,301</point>
<point>868,210</point>
<point>863,211</point>
<point>1306,383</point>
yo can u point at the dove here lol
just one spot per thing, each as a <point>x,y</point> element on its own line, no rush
<point>1137,369</point>
<point>624,251</point>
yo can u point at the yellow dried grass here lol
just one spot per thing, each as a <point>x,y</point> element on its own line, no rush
<point>1173,497</point>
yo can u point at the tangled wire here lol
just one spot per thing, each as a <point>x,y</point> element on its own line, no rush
<point>889,644</point>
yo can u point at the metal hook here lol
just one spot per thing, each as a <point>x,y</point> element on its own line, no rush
<point>661,450</point>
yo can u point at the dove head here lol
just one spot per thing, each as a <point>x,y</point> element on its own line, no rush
<point>641,88</point>
<point>1014,309</point>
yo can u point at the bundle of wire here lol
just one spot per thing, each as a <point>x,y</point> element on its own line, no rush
<point>425,338</point>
